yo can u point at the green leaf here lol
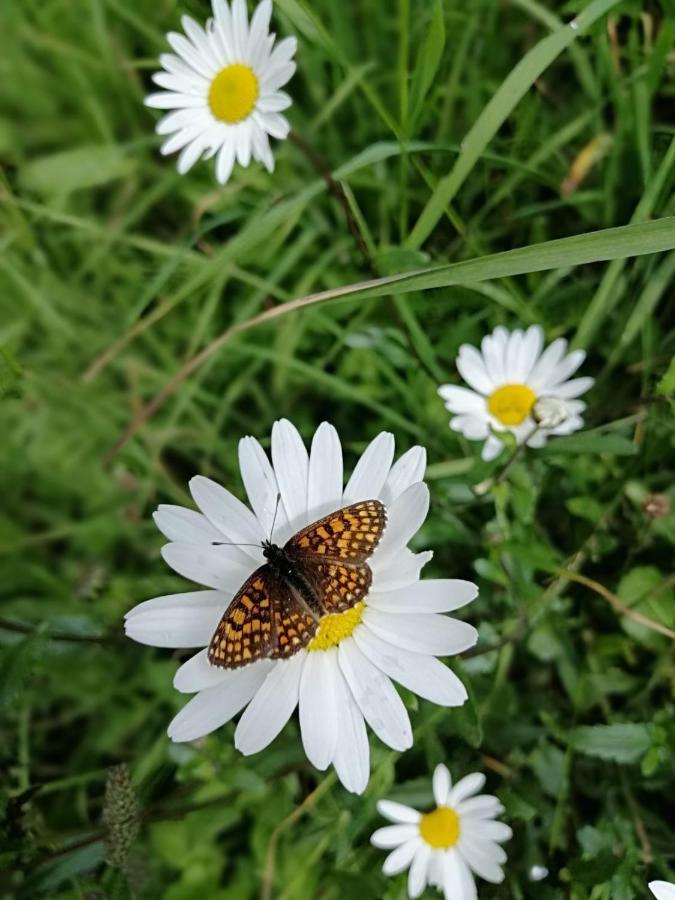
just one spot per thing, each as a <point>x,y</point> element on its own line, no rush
<point>72,170</point>
<point>625,743</point>
<point>666,386</point>
<point>591,443</point>
<point>428,61</point>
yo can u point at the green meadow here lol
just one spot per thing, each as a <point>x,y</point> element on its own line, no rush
<point>453,166</point>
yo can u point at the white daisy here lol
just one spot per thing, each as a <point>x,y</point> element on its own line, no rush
<point>662,890</point>
<point>223,87</point>
<point>343,679</point>
<point>517,388</point>
<point>444,847</point>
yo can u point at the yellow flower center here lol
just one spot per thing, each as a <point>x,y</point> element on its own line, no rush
<point>233,93</point>
<point>440,828</point>
<point>335,628</point>
<point>511,404</point>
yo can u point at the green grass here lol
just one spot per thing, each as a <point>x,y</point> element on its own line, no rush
<point>132,296</point>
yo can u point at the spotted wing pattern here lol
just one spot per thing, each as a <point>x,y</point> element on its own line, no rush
<point>246,631</point>
<point>338,587</point>
<point>263,620</point>
<point>349,535</point>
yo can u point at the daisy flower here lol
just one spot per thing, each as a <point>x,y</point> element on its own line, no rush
<point>343,678</point>
<point>515,387</point>
<point>662,890</point>
<point>222,85</point>
<point>445,847</point>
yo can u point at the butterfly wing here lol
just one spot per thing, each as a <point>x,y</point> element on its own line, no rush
<point>265,619</point>
<point>333,552</point>
<point>246,632</point>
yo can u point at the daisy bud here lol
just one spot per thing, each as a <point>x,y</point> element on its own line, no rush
<point>549,412</point>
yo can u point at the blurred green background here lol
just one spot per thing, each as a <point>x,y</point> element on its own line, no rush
<point>115,271</point>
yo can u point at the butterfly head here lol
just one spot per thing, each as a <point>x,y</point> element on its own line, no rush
<point>277,558</point>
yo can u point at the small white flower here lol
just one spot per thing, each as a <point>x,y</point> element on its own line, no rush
<point>223,87</point>
<point>662,890</point>
<point>508,377</point>
<point>344,677</point>
<point>445,847</point>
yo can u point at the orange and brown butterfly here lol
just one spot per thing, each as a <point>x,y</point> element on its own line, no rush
<point>322,569</point>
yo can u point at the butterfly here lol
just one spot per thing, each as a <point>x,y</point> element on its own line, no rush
<point>322,569</point>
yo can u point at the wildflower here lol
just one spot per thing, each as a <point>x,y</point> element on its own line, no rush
<point>446,846</point>
<point>662,890</point>
<point>515,387</point>
<point>341,678</point>
<point>223,89</point>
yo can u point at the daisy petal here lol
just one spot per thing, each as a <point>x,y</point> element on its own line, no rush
<point>184,525</point>
<point>221,568</point>
<point>398,812</point>
<point>461,399</point>
<point>211,708</point>
<point>318,719</point>
<point>352,752</point>
<point>324,487</point>
<point>262,489</point>
<point>434,595</point>
<point>197,674</point>
<point>393,835</point>
<point>176,620</point>
<point>376,697</point>
<point>271,707</point>
<point>291,465</point>
<point>477,854</point>
<point>574,388</point>
<point>407,470</point>
<point>399,859</point>
<point>227,513</point>
<point>471,367</point>
<point>491,448</point>
<point>402,571</point>
<point>417,876</point>
<point>441,785</point>
<point>428,633</point>
<point>662,890</point>
<point>466,787</point>
<point>425,676</point>
<point>404,519</point>
<point>371,471</point>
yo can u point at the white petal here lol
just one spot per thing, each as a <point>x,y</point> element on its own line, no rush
<point>573,388</point>
<point>407,470</point>
<point>485,806</point>
<point>567,366</point>
<point>214,706</point>
<point>426,676</point>
<point>261,147</point>
<point>277,101</point>
<point>217,567</point>
<point>262,489</point>
<point>513,358</point>
<point>318,715</point>
<point>243,143</point>
<point>461,399</point>
<point>197,674</point>
<point>493,349</point>
<point>547,362</point>
<point>183,137</point>
<point>198,37</point>
<point>457,881</point>
<point>172,100</point>
<point>225,162</point>
<point>189,53</point>
<point>223,29</point>
<point>474,427</point>
<point>400,572</point>
<point>495,831</point>
<point>260,23</point>
<point>399,859</point>
<point>175,121</point>
<point>291,465</point>
<point>275,124</point>
<point>227,513</point>
<point>176,620</point>
<point>434,595</point>
<point>491,448</point>
<point>427,633</point>
<point>481,857</point>
<point>185,525</point>
<point>240,29</point>
<point>441,785</point>
<point>182,84</point>
<point>398,812</point>
<point>471,367</point>
<point>324,483</point>
<point>405,516</point>
<point>283,53</point>
<point>177,66</point>
<point>466,787</point>
<point>371,471</point>
<point>531,348</point>
<point>662,890</point>
<point>376,697</point>
<point>271,707</point>
<point>352,753</point>
<point>393,835</point>
<point>417,876</point>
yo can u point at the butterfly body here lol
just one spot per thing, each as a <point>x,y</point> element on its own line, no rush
<point>321,570</point>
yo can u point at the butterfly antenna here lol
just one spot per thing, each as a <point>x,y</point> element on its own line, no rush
<point>276,510</point>
<point>229,544</point>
